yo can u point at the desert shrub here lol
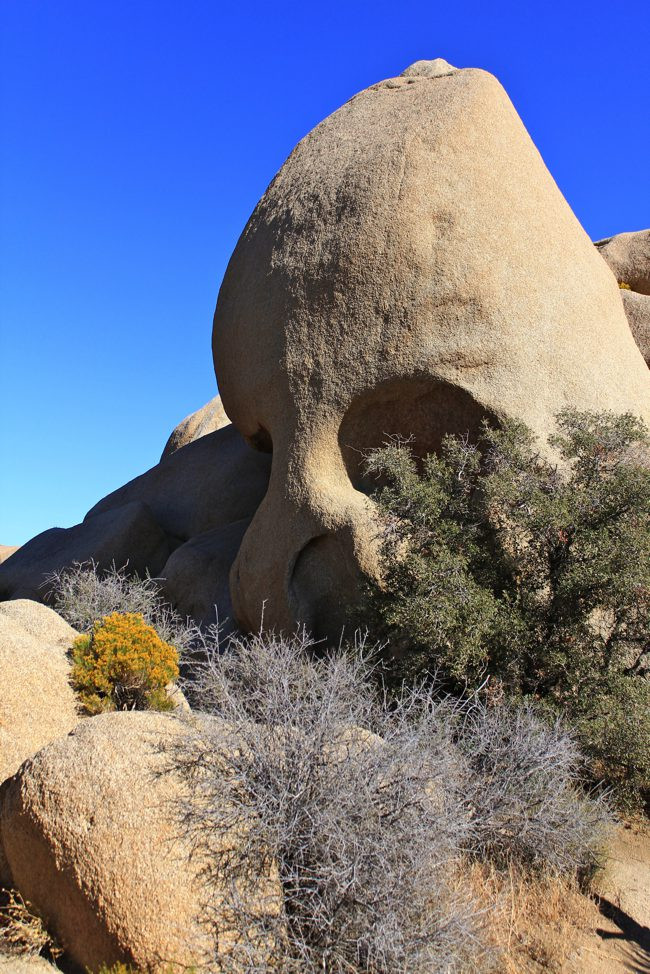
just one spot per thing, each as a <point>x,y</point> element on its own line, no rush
<point>496,560</point>
<point>367,805</point>
<point>123,664</point>
<point>83,593</point>
<point>361,829</point>
<point>22,931</point>
<point>524,784</point>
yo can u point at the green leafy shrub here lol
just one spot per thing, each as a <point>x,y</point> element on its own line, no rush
<point>497,561</point>
<point>123,664</point>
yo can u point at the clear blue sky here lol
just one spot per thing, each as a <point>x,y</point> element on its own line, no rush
<point>138,136</point>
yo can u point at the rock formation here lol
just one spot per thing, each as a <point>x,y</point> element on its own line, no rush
<point>93,837</point>
<point>37,704</point>
<point>201,495</point>
<point>628,256</point>
<point>412,269</point>
<point>6,551</point>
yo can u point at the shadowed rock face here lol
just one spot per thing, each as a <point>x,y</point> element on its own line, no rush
<point>628,256</point>
<point>411,269</point>
<point>200,495</point>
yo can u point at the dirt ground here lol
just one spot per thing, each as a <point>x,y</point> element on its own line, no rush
<point>616,939</point>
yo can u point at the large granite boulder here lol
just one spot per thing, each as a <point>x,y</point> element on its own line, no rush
<point>628,257</point>
<point>196,576</point>
<point>207,484</point>
<point>94,838</point>
<point>412,269</point>
<point>199,494</point>
<point>37,704</point>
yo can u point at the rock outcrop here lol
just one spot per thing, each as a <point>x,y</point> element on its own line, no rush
<point>120,535</point>
<point>190,506</point>
<point>412,269</point>
<point>196,576</point>
<point>37,704</point>
<point>207,419</point>
<point>637,309</point>
<point>92,833</point>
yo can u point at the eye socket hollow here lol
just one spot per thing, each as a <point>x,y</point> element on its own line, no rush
<point>422,410</point>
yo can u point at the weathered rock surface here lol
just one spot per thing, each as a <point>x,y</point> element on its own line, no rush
<point>125,534</point>
<point>207,419</point>
<point>37,704</point>
<point>412,269</point>
<point>93,839</point>
<point>197,574</point>
<point>628,255</point>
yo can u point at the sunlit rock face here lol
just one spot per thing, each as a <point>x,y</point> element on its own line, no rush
<point>412,269</point>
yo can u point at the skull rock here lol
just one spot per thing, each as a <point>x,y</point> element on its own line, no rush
<point>412,269</point>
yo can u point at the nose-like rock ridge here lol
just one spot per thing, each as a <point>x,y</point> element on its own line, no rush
<point>413,241</point>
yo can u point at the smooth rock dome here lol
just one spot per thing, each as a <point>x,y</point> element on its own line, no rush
<point>412,268</point>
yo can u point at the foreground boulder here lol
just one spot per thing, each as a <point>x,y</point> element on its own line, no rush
<point>93,837</point>
<point>207,419</point>
<point>37,704</point>
<point>412,269</point>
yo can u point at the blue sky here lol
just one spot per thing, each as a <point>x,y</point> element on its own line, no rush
<point>138,136</point>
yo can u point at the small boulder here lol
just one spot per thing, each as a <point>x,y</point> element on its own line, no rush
<point>196,576</point>
<point>94,839</point>
<point>37,703</point>
<point>637,309</point>
<point>207,419</point>
<point>628,255</point>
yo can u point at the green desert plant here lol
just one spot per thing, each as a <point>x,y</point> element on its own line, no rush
<point>498,561</point>
<point>123,664</point>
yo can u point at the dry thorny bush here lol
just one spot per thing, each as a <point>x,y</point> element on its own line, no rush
<point>21,930</point>
<point>83,593</point>
<point>365,808</point>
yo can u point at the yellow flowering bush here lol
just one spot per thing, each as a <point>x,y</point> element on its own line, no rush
<point>123,664</point>
<point>623,286</point>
